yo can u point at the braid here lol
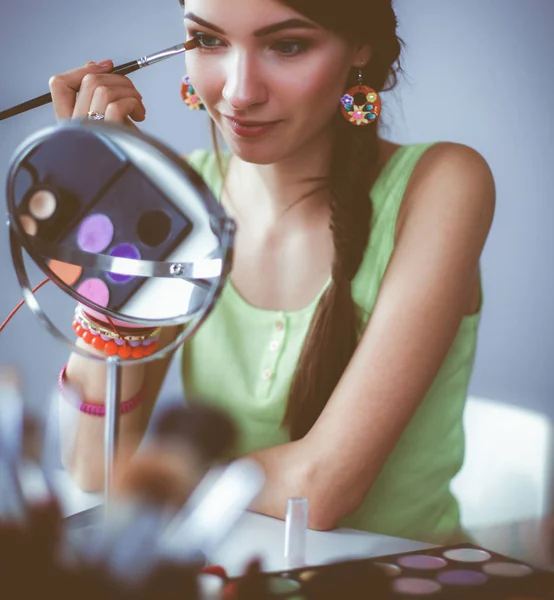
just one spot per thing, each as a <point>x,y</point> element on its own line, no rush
<point>333,333</point>
<point>335,327</point>
<point>350,205</point>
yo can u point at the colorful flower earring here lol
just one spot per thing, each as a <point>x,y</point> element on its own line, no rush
<point>361,105</point>
<point>189,96</point>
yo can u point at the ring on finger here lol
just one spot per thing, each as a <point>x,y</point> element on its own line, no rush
<point>95,116</point>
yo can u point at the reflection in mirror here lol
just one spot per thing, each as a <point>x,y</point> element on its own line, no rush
<point>120,223</point>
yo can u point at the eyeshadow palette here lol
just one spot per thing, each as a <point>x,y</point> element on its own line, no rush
<point>443,573</point>
<point>97,202</point>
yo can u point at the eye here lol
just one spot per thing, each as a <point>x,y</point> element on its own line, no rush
<point>291,47</point>
<point>208,42</point>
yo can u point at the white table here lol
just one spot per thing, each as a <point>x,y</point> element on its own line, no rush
<point>258,535</point>
<point>261,536</point>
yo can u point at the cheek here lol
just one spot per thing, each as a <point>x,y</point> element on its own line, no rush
<point>319,94</point>
<point>321,80</point>
<point>318,91</point>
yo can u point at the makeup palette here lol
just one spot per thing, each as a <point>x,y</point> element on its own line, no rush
<point>463,571</point>
<point>120,222</point>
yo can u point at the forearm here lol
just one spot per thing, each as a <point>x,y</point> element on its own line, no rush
<point>82,435</point>
<point>88,376</point>
<point>295,469</point>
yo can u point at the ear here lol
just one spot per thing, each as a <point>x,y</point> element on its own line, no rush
<point>362,55</point>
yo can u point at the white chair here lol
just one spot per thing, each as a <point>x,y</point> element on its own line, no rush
<point>507,472</point>
<point>505,487</point>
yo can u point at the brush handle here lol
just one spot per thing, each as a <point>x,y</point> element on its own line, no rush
<point>47,98</point>
<point>127,68</point>
<point>30,104</point>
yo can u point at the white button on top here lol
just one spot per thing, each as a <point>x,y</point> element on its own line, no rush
<point>267,374</point>
<point>279,325</point>
<point>274,345</point>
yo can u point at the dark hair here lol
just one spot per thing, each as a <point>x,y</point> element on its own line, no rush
<point>335,327</point>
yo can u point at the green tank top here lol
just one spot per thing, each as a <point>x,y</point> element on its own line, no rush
<point>243,358</point>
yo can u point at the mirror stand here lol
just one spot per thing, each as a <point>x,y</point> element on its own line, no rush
<point>111,425</point>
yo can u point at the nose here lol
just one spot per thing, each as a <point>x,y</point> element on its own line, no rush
<point>244,84</point>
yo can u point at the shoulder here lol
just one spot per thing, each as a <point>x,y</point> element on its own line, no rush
<point>453,178</point>
<point>450,158</point>
<point>451,165</point>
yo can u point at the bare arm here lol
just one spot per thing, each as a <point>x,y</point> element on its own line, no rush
<point>449,211</point>
<point>82,442</point>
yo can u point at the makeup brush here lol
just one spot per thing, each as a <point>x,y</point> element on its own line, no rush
<point>184,443</point>
<point>12,504</point>
<point>124,69</point>
<point>154,487</point>
<point>23,482</point>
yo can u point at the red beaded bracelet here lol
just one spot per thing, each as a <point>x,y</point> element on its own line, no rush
<point>96,410</point>
<point>110,347</point>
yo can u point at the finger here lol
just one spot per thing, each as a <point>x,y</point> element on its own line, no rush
<point>123,108</point>
<point>129,123</point>
<point>64,87</point>
<point>97,86</point>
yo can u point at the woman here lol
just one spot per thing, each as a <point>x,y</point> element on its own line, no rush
<point>344,342</point>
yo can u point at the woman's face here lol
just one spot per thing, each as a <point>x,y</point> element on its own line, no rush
<point>269,77</point>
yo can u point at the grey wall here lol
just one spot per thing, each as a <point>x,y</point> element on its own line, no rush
<point>477,72</point>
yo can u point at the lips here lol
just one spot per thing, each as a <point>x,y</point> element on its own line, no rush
<point>246,123</point>
<point>246,128</point>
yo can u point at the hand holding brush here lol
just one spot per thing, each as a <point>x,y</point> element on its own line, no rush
<point>67,85</point>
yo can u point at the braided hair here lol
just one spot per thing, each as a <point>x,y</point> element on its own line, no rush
<point>334,330</point>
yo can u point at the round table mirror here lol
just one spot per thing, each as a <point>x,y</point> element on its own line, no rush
<point>122,225</point>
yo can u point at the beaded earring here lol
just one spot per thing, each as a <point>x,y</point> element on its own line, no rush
<point>360,105</point>
<point>189,96</point>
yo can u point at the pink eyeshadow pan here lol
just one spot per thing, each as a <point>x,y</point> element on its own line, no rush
<point>95,290</point>
<point>507,569</point>
<point>95,233</point>
<point>464,577</point>
<point>415,586</point>
<point>422,561</point>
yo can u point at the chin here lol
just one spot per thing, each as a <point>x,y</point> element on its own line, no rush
<point>258,152</point>
<point>257,158</point>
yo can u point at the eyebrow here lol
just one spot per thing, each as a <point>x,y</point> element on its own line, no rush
<point>268,30</point>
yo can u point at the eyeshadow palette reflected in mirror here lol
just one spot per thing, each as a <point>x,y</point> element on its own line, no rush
<point>119,222</point>
<point>97,194</point>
